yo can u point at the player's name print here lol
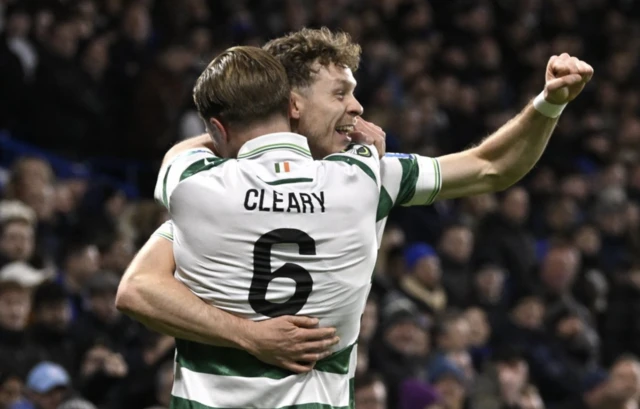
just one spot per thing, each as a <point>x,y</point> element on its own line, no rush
<point>263,200</point>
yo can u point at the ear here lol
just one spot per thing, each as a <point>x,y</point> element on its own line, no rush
<point>296,105</point>
<point>218,132</point>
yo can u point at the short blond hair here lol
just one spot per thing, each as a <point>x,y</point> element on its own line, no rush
<point>241,86</point>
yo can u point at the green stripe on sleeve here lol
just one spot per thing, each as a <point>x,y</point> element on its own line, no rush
<point>410,174</point>
<point>200,166</point>
<point>234,362</point>
<point>438,182</point>
<point>181,403</point>
<point>164,188</point>
<point>385,203</point>
<point>164,235</point>
<point>354,162</point>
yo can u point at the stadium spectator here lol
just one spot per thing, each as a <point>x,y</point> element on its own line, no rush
<point>479,336</point>
<point>624,384</point>
<point>50,330</point>
<point>455,251</point>
<point>565,316</point>
<point>422,282</point>
<point>116,251</point>
<point>101,323</point>
<point>20,59</point>
<point>450,383</point>
<point>506,241</point>
<point>46,388</point>
<point>17,239</point>
<point>402,352</point>
<point>370,392</point>
<point>488,292</point>
<point>11,385</point>
<point>503,383</point>
<point>17,281</point>
<point>79,262</point>
<point>452,333</point>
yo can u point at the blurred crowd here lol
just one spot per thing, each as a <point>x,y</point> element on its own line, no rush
<point>528,299</point>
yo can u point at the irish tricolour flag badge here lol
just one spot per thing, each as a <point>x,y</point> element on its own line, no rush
<point>282,167</point>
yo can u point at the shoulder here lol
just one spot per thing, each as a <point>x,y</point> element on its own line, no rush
<point>363,157</point>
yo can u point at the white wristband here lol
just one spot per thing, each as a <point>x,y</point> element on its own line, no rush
<point>547,108</point>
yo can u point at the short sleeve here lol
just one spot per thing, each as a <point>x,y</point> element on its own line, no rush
<point>178,169</point>
<point>165,231</point>
<point>410,179</point>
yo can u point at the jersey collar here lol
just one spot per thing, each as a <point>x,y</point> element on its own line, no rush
<point>275,141</point>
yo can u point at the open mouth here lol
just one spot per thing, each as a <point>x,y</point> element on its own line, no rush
<point>345,129</point>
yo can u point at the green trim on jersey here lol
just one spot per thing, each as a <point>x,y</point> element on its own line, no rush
<point>352,393</point>
<point>385,203</point>
<point>437,172</point>
<point>288,181</point>
<point>181,403</point>
<point>234,362</point>
<point>410,174</point>
<point>164,235</point>
<point>353,162</point>
<point>165,200</point>
<point>287,146</point>
<point>201,165</point>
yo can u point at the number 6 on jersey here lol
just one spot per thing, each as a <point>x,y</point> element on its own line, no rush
<point>262,274</point>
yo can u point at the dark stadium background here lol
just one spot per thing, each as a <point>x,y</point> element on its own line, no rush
<point>542,282</point>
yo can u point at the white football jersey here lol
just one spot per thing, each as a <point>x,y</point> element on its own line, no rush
<point>268,234</point>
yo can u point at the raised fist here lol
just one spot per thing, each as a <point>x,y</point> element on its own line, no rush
<point>566,77</point>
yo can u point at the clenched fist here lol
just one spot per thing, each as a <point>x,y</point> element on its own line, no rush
<point>566,77</point>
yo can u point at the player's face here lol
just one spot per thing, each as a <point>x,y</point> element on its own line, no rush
<point>325,112</point>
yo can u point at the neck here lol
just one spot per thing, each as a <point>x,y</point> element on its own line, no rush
<point>245,134</point>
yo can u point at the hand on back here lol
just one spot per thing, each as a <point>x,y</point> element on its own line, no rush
<point>292,342</point>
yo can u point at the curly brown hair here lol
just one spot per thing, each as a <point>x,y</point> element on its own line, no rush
<point>298,51</point>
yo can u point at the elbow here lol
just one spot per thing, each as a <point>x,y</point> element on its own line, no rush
<point>509,179</point>
<point>500,173</point>
<point>503,182</point>
<point>499,178</point>
<point>495,178</point>
<point>127,296</point>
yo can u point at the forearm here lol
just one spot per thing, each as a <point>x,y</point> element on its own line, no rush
<point>500,160</point>
<point>167,306</point>
<point>149,293</point>
<point>514,149</point>
<point>200,141</point>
